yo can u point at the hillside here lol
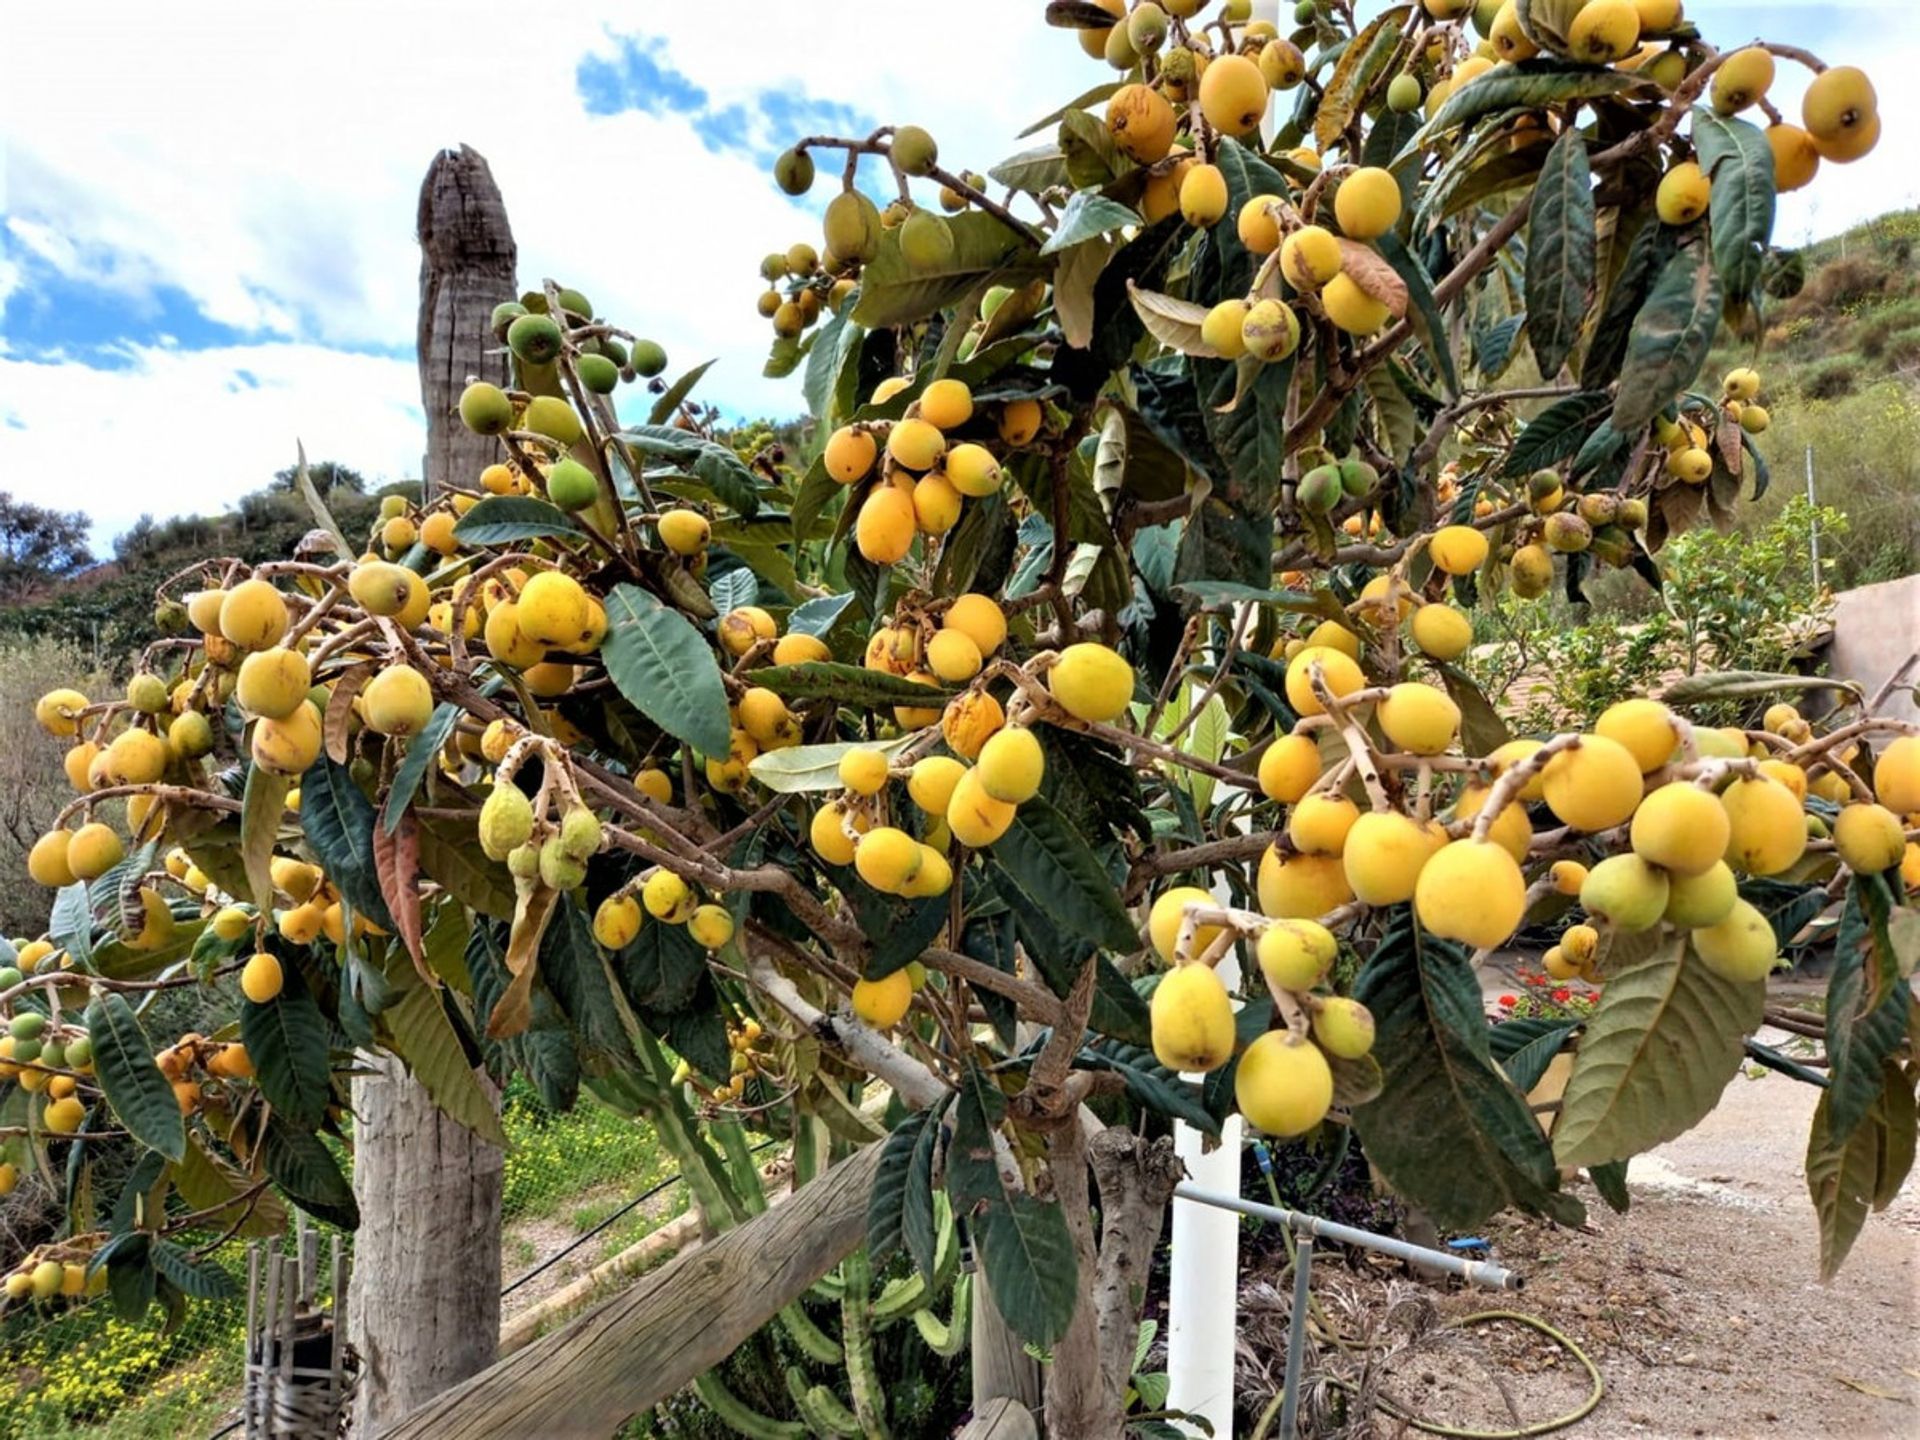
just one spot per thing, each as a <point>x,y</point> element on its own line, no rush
<point>104,607</point>
<point>1840,366</point>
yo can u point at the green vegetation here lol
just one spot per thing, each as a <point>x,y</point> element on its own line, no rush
<point>1743,600</point>
<point>86,1374</point>
<point>1841,360</point>
<point>99,606</point>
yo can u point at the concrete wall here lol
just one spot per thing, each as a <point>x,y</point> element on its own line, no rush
<point>1875,629</point>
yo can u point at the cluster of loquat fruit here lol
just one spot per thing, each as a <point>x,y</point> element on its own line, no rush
<point>824,281</point>
<point>1198,82</point>
<point>1647,821</point>
<point>925,465</point>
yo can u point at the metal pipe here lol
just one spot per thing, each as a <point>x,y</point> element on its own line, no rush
<point>1475,1272</point>
<point>1813,522</point>
<point>1297,1332</point>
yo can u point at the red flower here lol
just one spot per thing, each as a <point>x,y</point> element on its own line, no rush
<point>1507,1002</point>
<point>1562,995</point>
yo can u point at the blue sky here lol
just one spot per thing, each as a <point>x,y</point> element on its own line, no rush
<point>212,236</point>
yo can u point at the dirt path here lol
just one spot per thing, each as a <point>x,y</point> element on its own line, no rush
<point>1702,1306</point>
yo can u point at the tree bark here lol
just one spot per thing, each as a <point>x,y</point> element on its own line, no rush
<point>425,1306</point>
<point>467,259</point>
<point>1087,1383</point>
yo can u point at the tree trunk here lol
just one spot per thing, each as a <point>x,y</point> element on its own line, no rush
<point>467,259</point>
<point>425,1308</point>
<point>1087,1382</point>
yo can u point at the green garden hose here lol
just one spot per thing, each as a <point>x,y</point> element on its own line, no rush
<point>1454,1432</point>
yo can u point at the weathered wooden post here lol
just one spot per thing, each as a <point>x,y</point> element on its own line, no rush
<point>426,1275</point>
<point>467,259</point>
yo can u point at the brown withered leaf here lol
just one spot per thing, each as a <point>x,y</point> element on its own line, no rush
<point>1374,275</point>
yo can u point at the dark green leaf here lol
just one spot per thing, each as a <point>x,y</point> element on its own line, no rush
<point>299,1162</point>
<point>130,1276</point>
<point>202,1279</point>
<point>124,1064</point>
<point>412,768</point>
<point>711,463</point>
<point>850,685</point>
<point>1847,1177</point>
<point>571,966</point>
<point>135,1194</point>
<point>1529,85</point>
<point>665,669</point>
<point>697,1034</point>
<point>661,969</point>
<point>1788,907</point>
<point>1449,1130</point>
<point>1557,432</point>
<point>1867,1005</point>
<point>1052,865</point>
<point>900,1210</point>
<point>337,821</point>
<point>1526,1065</point>
<point>1670,338</point>
<point>287,1040</point>
<point>669,401</point>
<point>918,1222</point>
<point>546,1051</point>
<point>1493,347</point>
<point>1480,724</point>
<point>508,519</point>
<point>1560,253</point>
<point>1426,317</point>
<point>1611,1181</point>
<point>1149,1083</point>
<point>1027,1253</point>
<point>1510,1037</point>
<point>1653,245</point>
<point>1739,161</point>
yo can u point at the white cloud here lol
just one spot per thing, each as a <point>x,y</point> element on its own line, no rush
<point>174,432</point>
<point>266,159</point>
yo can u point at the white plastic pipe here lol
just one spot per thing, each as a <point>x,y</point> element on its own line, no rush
<point>1202,1313</point>
<point>1204,1291</point>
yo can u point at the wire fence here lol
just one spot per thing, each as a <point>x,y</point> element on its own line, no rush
<point>578,1188</point>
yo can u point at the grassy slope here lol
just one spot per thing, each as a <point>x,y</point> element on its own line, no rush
<point>1840,366</point>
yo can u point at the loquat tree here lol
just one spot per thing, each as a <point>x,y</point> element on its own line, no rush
<point>901,803</point>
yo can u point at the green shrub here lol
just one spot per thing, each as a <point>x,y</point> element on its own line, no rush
<point>1729,602</point>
